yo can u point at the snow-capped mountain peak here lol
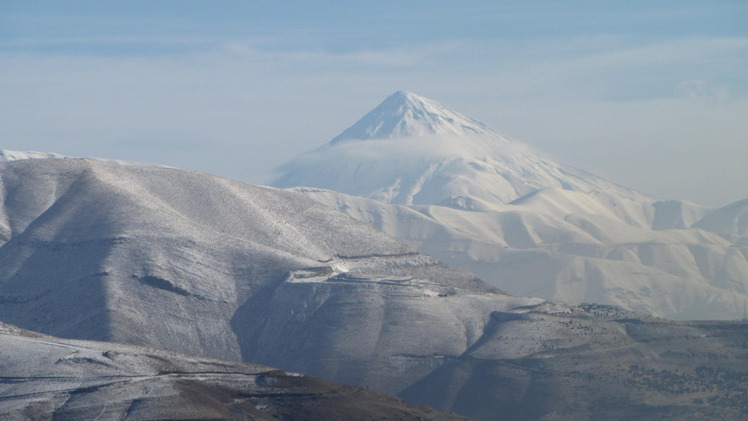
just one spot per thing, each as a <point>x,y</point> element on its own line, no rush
<point>405,114</point>
<point>426,154</point>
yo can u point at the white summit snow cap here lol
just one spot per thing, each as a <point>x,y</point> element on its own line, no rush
<point>404,114</point>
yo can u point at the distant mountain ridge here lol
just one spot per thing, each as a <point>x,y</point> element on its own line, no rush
<point>9,155</point>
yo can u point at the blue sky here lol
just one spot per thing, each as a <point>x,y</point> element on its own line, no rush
<point>652,95</point>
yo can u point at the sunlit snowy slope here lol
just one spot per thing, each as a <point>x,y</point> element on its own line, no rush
<point>453,188</point>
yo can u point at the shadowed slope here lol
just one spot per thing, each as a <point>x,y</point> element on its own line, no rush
<point>191,262</point>
<point>43,377</point>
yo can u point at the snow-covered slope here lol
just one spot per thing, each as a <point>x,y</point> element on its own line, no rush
<point>730,221</point>
<point>43,377</point>
<point>93,250</point>
<point>194,263</point>
<point>522,221</point>
<point>571,251</point>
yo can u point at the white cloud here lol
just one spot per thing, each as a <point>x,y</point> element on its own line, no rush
<point>701,89</point>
